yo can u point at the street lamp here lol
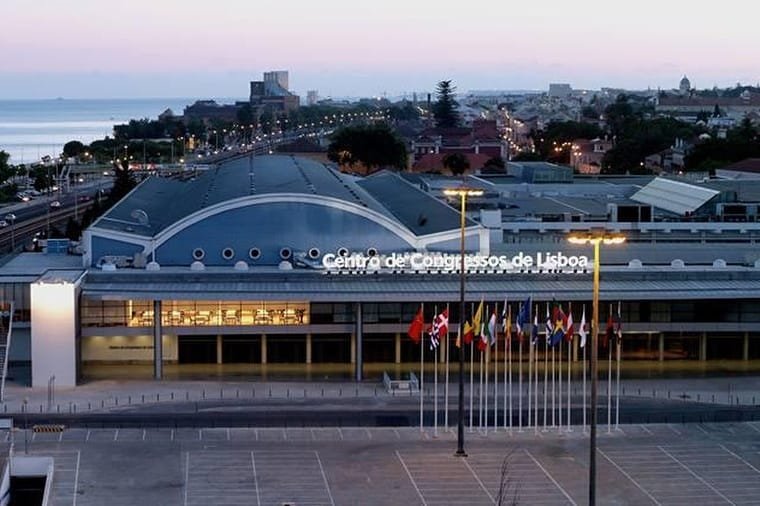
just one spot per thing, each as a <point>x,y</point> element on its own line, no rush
<point>12,218</point>
<point>597,239</point>
<point>462,193</point>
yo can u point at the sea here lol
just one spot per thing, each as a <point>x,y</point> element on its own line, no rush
<point>31,129</point>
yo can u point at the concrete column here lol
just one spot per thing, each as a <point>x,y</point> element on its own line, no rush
<point>158,345</point>
<point>745,347</point>
<point>353,348</point>
<point>263,348</point>
<point>398,347</point>
<point>218,348</point>
<point>703,347</point>
<point>661,346</point>
<point>359,359</point>
<point>308,348</point>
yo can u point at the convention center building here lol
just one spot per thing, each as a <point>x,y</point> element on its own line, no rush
<point>279,265</point>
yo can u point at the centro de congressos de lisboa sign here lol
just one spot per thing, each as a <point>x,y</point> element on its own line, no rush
<point>450,263</point>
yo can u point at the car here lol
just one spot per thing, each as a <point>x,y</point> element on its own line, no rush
<point>55,203</point>
<point>3,223</point>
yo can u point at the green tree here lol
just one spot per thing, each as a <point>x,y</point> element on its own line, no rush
<point>245,114</point>
<point>445,107</point>
<point>73,149</point>
<point>373,146</point>
<point>495,165</point>
<point>123,182</point>
<point>5,170</point>
<point>457,163</point>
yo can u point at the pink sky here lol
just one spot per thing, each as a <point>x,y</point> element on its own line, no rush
<point>353,47</point>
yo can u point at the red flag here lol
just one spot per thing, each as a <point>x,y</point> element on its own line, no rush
<point>439,329</point>
<point>415,328</point>
<point>609,332</point>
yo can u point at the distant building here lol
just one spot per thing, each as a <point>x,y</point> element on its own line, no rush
<point>273,93</point>
<point>684,87</point>
<point>586,155</point>
<point>482,138</point>
<point>210,110</point>
<point>312,97</point>
<point>560,90</point>
<point>687,107</point>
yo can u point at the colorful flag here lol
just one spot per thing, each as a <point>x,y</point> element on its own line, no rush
<point>569,327</point>
<point>523,316</point>
<point>582,329</point>
<point>470,330</point>
<point>609,331</point>
<point>549,324</point>
<point>483,341</point>
<point>440,329</point>
<point>491,329</point>
<point>618,325</point>
<point>416,327</point>
<point>508,325</point>
<point>534,329</point>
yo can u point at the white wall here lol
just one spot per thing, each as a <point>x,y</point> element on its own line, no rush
<point>126,348</point>
<point>53,308</point>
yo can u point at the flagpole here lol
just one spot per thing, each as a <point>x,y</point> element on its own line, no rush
<point>546,376</point>
<point>435,379</point>
<point>422,369</point>
<point>617,393</point>
<point>487,359</point>
<point>435,388</point>
<point>584,385</point>
<point>480,390</point>
<point>508,348</point>
<point>536,406</point>
<point>609,383</point>
<point>559,386</point>
<point>472,366</point>
<point>530,383</point>
<point>569,382</point>
<point>495,338</point>
<point>446,386</point>
<point>519,385</point>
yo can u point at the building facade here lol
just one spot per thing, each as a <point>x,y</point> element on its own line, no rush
<point>281,260</point>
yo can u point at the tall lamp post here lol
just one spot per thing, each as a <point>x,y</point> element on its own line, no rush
<point>596,239</point>
<point>461,192</point>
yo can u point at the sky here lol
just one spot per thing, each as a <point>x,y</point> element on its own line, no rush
<point>194,48</point>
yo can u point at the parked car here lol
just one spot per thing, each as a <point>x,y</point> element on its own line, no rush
<point>55,203</point>
<point>3,223</point>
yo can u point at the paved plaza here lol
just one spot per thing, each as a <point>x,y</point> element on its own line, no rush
<point>664,464</point>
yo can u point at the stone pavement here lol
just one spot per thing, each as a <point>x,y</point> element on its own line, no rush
<point>691,464</point>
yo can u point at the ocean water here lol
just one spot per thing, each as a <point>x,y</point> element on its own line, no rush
<point>31,129</point>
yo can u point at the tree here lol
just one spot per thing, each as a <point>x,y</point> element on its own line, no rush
<point>123,182</point>
<point>5,170</point>
<point>245,114</point>
<point>370,145</point>
<point>445,107</point>
<point>495,165</point>
<point>457,163</point>
<point>73,149</point>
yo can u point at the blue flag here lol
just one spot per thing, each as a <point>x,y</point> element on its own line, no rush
<point>523,316</point>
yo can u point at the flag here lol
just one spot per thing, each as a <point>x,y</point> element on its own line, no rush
<point>523,316</point>
<point>491,328</point>
<point>582,329</point>
<point>534,329</point>
<point>416,327</point>
<point>440,329</point>
<point>483,341</point>
<point>609,331</point>
<point>470,330</point>
<point>558,330</point>
<point>618,325</point>
<point>549,324</point>
<point>569,329</point>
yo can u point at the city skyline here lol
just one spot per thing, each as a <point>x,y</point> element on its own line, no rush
<point>140,49</point>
